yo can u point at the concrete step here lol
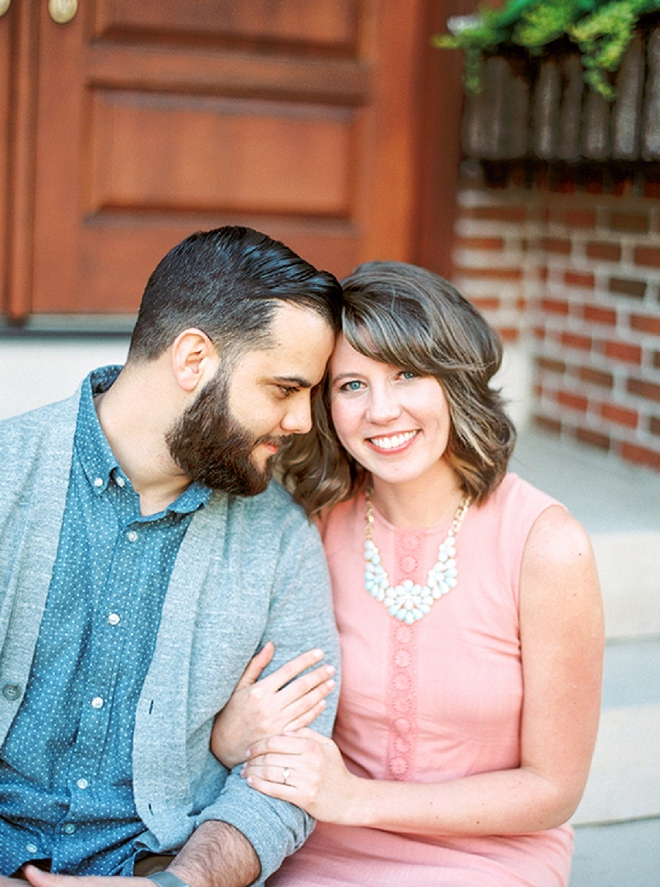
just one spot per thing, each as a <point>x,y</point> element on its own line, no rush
<point>617,825</point>
<point>47,369</point>
<point>624,854</point>
<point>624,782</point>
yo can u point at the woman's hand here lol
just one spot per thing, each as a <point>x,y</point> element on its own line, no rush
<point>276,704</point>
<point>307,770</point>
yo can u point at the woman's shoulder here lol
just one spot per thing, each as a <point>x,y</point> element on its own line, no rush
<point>516,494</point>
<point>507,516</point>
<point>551,533</point>
<point>557,537</point>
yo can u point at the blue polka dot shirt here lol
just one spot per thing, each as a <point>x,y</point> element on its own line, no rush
<point>66,788</point>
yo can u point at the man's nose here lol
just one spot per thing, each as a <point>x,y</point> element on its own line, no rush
<point>298,418</point>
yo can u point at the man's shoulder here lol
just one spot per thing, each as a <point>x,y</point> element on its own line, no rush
<point>273,508</point>
<point>26,424</point>
<point>51,426</point>
<point>274,500</point>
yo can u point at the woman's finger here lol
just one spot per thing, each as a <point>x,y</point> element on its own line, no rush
<point>303,711</point>
<point>280,773</point>
<point>256,665</point>
<point>273,789</point>
<point>280,744</point>
<point>305,717</point>
<point>291,669</point>
<point>298,689</point>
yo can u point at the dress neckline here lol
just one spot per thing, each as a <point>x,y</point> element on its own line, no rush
<point>380,519</point>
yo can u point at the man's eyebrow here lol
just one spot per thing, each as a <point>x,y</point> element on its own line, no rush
<point>298,381</point>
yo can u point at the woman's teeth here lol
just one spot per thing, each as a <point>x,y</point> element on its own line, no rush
<point>390,443</point>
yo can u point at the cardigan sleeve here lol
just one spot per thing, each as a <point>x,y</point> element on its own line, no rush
<point>249,570</point>
<point>299,618</point>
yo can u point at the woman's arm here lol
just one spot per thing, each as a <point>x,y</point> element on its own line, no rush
<point>562,646</point>
<point>275,704</point>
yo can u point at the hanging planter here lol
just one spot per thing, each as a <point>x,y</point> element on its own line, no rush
<point>600,30</point>
<point>561,81</point>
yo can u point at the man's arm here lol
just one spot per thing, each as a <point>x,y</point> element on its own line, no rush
<point>215,855</point>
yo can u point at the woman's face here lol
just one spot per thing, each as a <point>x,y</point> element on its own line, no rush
<point>395,423</point>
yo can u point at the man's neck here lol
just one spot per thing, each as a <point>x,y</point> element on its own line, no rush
<point>134,416</point>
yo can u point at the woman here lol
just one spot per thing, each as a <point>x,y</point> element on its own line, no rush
<point>468,607</point>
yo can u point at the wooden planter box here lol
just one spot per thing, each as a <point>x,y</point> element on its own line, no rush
<point>543,110</point>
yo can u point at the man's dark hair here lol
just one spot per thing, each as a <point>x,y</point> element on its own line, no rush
<point>227,282</point>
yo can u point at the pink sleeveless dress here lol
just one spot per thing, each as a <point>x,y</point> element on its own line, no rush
<point>433,701</point>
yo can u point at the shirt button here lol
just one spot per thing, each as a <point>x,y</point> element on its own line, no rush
<point>131,535</point>
<point>98,481</point>
<point>120,481</point>
<point>11,692</point>
<point>97,702</point>
<point>114,619</point>
<point>82,783</point>
<point>31,848</point>
<point>70,828</point>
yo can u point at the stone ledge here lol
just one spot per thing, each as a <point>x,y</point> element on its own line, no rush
<point>629,570</point>
<point>624,782</point>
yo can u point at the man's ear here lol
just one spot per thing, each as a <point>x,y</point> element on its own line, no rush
<point>194,357</point>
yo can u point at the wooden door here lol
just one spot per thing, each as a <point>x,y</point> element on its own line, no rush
<point>4,149</point>
<point>140,121</point>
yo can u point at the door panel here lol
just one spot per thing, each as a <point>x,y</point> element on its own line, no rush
<point>330,24</point>
<point>243,156</point>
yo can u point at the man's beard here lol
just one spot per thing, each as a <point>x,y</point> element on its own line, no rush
<point>213,448</point>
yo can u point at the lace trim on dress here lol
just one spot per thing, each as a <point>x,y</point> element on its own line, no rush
<point>402,668</point>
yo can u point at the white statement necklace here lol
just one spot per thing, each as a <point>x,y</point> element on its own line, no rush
<point>409,601</point>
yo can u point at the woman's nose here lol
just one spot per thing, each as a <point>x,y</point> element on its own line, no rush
<point>383,406</point>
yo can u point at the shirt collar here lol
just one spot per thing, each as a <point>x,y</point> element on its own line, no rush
<point>96,457</point>
<point>193,498</point>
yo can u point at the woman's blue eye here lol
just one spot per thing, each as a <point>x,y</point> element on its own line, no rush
<point>354,385</point>
<point>408,374</point>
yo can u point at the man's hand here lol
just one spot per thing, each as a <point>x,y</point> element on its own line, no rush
<point>215,855</point>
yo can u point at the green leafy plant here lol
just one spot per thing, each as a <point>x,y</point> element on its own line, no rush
<point>600,29</point>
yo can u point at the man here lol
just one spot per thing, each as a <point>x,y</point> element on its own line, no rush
<point>144,558</point>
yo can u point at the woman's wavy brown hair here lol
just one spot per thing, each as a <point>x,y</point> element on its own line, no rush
<point>412,319</point>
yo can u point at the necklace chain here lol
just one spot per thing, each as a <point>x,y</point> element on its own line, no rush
<point>409,601</point>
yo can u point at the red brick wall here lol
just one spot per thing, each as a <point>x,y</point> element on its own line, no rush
<point>577,276</point>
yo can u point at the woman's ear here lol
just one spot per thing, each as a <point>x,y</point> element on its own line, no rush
<point>194,358</point>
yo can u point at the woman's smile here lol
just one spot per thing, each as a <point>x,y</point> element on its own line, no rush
<point>393,442</point>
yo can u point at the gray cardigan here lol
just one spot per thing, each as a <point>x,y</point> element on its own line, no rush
<point>248,570</point>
